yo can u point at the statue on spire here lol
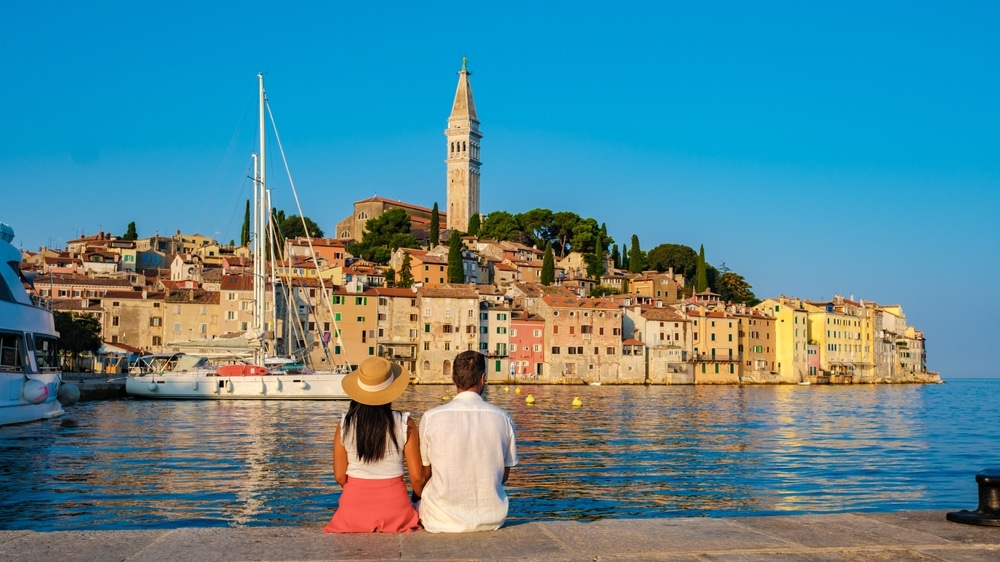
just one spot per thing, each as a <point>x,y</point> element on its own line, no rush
<point>465,62</point>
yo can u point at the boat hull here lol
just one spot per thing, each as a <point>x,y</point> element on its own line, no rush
<point>211,386</point>
<point>14,408</point>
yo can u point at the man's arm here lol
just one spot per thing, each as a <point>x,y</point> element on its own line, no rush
<point>506,473</point>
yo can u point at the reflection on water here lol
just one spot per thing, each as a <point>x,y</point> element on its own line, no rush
<point>628,452</point>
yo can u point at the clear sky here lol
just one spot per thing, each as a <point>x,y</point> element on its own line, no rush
<point>816,148</point>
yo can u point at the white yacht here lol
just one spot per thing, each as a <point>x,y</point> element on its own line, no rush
<point>31,386</point>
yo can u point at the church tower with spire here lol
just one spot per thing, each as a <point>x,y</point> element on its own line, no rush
<point>463,155</point>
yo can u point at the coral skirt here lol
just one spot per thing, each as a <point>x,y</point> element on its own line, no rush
<point>374,506</point>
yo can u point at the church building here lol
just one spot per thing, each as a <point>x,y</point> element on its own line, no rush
<point>461,176</point>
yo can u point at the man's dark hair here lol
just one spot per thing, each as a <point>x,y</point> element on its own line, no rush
<point>469,367</point>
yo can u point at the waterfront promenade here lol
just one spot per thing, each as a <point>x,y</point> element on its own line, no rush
<point>915,535</point>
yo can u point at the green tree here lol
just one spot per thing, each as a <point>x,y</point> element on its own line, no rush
<point>499,225</point>
<point>681,258</point>
<point>585,235</point>
<point>701,273</point>
<point>292,227</point>
<point>733,287</point>
<point>636,259</point>
<point>456,270</point>
<point>616,258</point>
<point>548,266</point>
<point>245,231</point>
<point>435,227</point>
<point>625,263</point>
<point>390,277</point>
<point>602,291</point>
<point>537,225</point>
<point>383,235</point>
<point>78,333</point>
<point>130,233</point>
<point>595,266</point>
<point>405,273</point>
<point>474,224</point>
<point>563,228</point>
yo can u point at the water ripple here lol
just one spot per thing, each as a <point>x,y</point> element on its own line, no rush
<point>628,452</point>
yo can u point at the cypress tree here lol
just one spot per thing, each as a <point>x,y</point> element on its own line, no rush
<point>624,257</point>
<point>701,272</point>
<point>635,264</point>
<point>616,258</point>
<point>405,274</point>
<point>456,272</point>
<point>435,226</point>
<point>548,266</point>
<point>474,223</point>
<point>245,233</point>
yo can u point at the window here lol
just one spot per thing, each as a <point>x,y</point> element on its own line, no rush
<point>361,318</point>
<point>611,351</point>
<point>447,328</point>
<point>155,321</point>
<point>114,320</point>
<point>536,348</point>
<point>177,327</point>
<point>427,346</point>
<point>427,312</point>
<point>203,328</point>
<point>555,350</point>
<point>413,318</point>
<point>538,333</point>
<point>513,332</point>
<point>447,346</point>
<point>156,340</point>
<point>230,315</point>
<point>427,328</point>
<point>586,329</point>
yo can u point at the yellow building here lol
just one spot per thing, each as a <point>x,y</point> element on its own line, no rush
<point>791,336</point>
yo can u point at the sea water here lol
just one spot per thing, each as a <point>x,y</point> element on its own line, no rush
<point>627,452</point>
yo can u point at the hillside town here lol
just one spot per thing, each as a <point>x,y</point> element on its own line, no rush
<point>188,292</point>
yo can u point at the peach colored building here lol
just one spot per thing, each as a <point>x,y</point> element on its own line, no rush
<point>715,353</point>
<point>527,341</point>
<point>583,339</point>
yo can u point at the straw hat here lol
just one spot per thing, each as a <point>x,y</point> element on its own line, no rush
<point>376,381</point>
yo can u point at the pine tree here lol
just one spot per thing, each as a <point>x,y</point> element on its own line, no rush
<point>474,223</point>
<point>701,272</point>
<point>616,258</point>
<point>456,271</point>
<point>548,266</point>
<point>624,257</point>
<point>435,227</point>
<point>130,233</point>
<point>602,240</point>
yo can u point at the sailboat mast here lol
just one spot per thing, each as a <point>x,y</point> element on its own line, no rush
<point>260,195</point>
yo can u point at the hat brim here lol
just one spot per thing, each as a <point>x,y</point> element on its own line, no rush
<point>401,379</point>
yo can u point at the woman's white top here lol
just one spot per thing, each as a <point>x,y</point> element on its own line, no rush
<point>391,464</point>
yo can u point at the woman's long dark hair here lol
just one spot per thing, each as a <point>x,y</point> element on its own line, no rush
<point>371,424</point>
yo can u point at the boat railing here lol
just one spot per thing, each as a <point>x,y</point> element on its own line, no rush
<point>41,302</point>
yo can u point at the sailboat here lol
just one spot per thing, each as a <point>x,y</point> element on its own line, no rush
<point>181,376</point>
<point>30,379</point>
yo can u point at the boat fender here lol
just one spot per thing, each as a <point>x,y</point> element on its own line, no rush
<point>303,385</point>
<point>35,391</point>
<point>277,385</point>
<point>229,386</point>
<point>68,394</point>
<point>194,385</point>
<point>152,386</point>
<point>262,388</point>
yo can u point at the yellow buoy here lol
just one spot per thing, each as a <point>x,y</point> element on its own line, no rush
<point>517,390</point>
<point>577,402</point>
<point>446,397</point>
<point>506,389</point>
<point>529,400</point>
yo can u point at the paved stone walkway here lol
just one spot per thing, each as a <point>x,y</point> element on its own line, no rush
<point>919,535</point>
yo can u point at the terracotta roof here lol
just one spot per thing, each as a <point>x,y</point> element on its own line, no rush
<point>451,292</point>
<point>661,314</point>
<point>578,302</point>
<point>631,341</point>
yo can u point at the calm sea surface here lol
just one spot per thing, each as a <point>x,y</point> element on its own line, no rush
<point>633,452</point>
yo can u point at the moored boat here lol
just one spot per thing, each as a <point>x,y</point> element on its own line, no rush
<point>195,377</point>
<point>31,386</point>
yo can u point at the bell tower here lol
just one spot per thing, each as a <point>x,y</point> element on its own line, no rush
<point>463,155</point>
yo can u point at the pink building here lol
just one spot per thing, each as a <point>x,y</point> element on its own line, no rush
<point>527,339</point>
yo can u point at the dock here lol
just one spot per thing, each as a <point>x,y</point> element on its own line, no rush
<point>915,535</point>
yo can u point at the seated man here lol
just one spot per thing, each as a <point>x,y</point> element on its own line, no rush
<point>467,447</point>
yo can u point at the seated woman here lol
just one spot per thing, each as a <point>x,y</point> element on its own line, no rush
<point>369,447</point>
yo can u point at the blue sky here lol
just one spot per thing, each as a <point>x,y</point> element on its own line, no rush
<point>815,148</point>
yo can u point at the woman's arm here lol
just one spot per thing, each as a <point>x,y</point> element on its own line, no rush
<point>339,459</point>
<point>412,453</point>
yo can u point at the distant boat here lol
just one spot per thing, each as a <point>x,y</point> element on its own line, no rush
<point>595,383</point>
<point>226,371</point>
<point>804,383</point>
<point>29,347</point>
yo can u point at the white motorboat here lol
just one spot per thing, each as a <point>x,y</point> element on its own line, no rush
<point>195,377</point>
<point>31,386</point>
